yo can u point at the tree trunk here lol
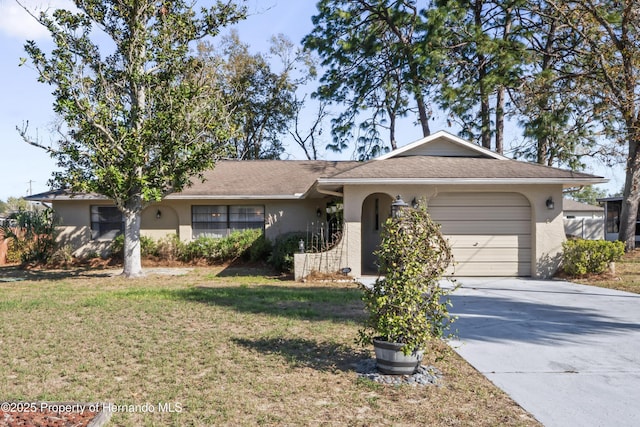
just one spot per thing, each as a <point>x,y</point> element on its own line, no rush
<point>132,262</point>
<point>631,196</point>
<point>500,120</point>
<point>392,130</point>
<point>422,113</point>
<point>485,109</point>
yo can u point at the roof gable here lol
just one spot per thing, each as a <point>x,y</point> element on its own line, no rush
<point>442,144</point>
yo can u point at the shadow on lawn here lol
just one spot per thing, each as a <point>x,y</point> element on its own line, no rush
<point>241,268</point>
<point>309,303</point>
<point>13,273</point>
<point>300,352</point>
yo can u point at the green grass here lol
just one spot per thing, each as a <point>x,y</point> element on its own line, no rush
<point>626,276</point>
<point>226,350</point>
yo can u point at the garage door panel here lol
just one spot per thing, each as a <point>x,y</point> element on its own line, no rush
<point>483,241</point>
<point>490,269</point>
<point>479,199</point>
<point>490,233</point>
<point>484,227</point>
<point>482,213</point>
<point>497,255</point>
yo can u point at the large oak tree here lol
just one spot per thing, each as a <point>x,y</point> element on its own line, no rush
<point>141,116</point>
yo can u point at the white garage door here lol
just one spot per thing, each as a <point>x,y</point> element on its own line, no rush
<point>490,233</point>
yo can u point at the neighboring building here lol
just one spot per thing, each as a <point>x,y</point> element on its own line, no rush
<point>503,217</point>
<point>612,209</point>
<point>583,220</point>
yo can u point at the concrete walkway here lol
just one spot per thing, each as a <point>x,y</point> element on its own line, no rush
<point>568,354</point>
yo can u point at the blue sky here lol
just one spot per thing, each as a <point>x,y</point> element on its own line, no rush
<point>25,168</point>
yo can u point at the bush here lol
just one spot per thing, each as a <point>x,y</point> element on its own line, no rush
<point>15,251</point>
<point>408,306</point>
<point>148,246</point>
<point>582,257</point>
<point>283,249</point>
<point>237,245</point>
<point>62,256</point>
<point>247,244</point>
<point>170,248</point>
<point>261,249</point>
<point>33,236</point>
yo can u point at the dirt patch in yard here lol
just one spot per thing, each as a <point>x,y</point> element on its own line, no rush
<point>48,414</point>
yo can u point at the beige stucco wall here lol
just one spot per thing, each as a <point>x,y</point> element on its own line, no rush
<point>74,229</point>
<point>281,216</point>
<point>547,226</point>
<point>292,215</point>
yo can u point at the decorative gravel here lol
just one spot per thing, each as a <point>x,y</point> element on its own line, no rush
<point>424,375</point>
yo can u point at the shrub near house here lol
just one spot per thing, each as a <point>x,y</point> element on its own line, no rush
<point>582,257</point>
<point>31,238</point>
<point>248,245</point>
<point>409,306</point>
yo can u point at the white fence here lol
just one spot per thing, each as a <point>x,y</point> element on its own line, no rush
<point>585,228</point>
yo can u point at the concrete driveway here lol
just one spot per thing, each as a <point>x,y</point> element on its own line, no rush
<point>568,354</point>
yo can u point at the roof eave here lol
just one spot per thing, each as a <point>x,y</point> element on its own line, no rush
<point>50,199</point>
<point>463,181</point>
<point>179,197</point>
<point>296,196</point>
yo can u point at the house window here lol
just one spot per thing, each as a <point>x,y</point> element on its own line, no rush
<point>106,222</point>
<point>222,220</point>
<point>613,217</point>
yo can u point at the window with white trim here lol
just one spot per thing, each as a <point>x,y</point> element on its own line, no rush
<point>106,222</point>
<point>222,220</point>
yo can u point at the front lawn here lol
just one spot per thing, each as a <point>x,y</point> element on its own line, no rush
<point>625,278</point>
<point>217,350</point>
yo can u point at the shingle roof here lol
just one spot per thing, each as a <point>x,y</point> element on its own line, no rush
<point>263,178</point>
<point>292,179</point>
<point>430,167</point>
<point>573,205</point>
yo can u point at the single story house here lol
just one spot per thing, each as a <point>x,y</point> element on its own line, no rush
<point>503,217</point>
<point>583,220</point>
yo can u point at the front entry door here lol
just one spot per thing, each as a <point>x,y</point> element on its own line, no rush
<point>375,211</point>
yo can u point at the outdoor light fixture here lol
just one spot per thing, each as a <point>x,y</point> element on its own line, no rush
<point>414,203</point>
<point>318,212</point>
<point>550,204</point>
<point>397,206</point>
<point>158,214</point>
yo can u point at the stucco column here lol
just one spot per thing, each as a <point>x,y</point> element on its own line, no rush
<point>353,229</point>
<point>353,233</point>
<point>548,232</point>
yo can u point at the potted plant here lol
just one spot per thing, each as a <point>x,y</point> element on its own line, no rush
<point>407,307</point>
